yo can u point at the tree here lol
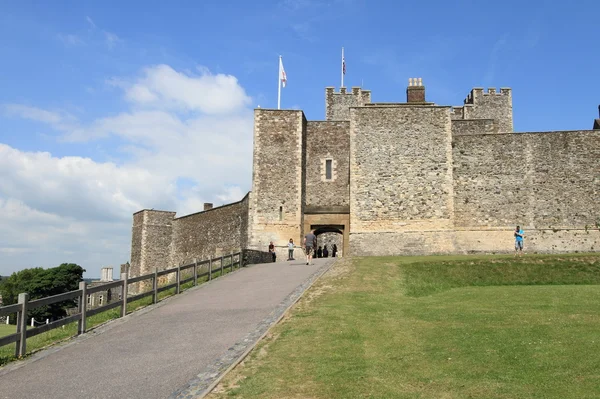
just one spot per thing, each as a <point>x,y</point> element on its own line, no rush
<point>40,283</point>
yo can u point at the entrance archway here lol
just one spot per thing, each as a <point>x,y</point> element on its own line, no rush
<point>330,229</point>
<point>328,237</point>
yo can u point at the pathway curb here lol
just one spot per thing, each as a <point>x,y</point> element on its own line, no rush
<point>206,381</point>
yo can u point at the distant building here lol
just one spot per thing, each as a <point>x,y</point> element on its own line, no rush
<point>101,298</point>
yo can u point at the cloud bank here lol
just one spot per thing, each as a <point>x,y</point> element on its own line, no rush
<point>184,138</point>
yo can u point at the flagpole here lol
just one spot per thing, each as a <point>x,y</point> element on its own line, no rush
<point>342,67</point>
<point>279,89</point>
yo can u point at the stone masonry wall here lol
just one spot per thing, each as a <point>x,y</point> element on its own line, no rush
<point>337,105</point>
<point>151,242</point>
<point>400,177</point>
<point>327,140</point>
<point>549,183</point>
<point>491,105</point>
<point>330,238</point>
<point>276,204</point>
<point>539,180</point>
<point>474,126</point>
<point>209,234</point>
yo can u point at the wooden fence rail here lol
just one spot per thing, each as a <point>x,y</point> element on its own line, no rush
<point>24,305</point>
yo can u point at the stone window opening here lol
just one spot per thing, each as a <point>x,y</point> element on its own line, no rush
<point>101,300</point>
<point>89,300</point>
<point>328,169</point>
<point>281,213</point>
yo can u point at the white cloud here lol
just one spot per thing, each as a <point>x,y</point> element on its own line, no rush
<point>164,88</point>
<point>71,40</point>
<point>187,140</point>
<point>32,113</point>
<point>111,39</point>
<point>91,22</point>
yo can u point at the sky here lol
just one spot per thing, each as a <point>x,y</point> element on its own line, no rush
<point>107,108</point>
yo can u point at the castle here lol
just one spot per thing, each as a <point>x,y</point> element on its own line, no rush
<point>394,179</point>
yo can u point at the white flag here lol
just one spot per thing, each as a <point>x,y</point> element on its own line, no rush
<point>282,76</point>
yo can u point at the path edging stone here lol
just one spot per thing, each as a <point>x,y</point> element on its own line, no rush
<point>205,382</point>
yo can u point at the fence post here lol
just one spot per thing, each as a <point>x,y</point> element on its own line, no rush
<point>221,275</point>
<point>178,278</point>
<point>21,347</point>
<point>81,325</point>
<point>155,286</point>
<point>32,322</point>
<point>195,272</point>
<point>124,294</point>
<point>231,261</point>
<point>210,269</point>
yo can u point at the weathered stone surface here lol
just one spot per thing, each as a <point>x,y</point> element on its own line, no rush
<point>337,105</point>
<point>491,105</point>
<point>537,180</point>
<point>474,126</point>
<point>151,241</point>
<point>329,239</point>
<point>209,234</point>
<point>327,140</point>
<point>279,184</point>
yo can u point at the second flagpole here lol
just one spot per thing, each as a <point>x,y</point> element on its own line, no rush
<point>279,87</point>
<point>342,67</point>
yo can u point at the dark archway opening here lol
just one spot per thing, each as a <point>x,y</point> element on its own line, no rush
<point>329,237</point>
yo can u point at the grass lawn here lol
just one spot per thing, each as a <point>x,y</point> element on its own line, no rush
<point>7,329</point>
<point>435,327</point>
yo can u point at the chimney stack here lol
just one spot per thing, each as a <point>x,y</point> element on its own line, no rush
<point>415,92</point>
<point>106,274</point>
<point>208,206</point>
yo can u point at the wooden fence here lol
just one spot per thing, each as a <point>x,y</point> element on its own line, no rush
<point>24,304</point>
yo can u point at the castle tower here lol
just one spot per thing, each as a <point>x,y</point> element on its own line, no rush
<point>151,241</point>
<point>278,179</point>
<point>337,105</point>
<point>491,105</point>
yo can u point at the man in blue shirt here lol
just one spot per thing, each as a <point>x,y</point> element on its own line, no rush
<point>519,235</point>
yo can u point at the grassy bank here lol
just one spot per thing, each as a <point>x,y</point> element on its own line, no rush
<point>435,327</point>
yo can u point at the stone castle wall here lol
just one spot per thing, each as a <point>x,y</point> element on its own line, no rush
<point>400,176</point>
<point>278,183</point>
<point>337,105</point>
<point>327,140</point>
<point>549,183</point>
<point>151,241</point>
<point>407,178</point>
<point>474,126</point>
<point>210,234</point>
<point>161,241</point>
<point>491,105</point>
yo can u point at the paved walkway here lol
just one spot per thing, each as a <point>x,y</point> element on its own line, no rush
<point>171,350</point>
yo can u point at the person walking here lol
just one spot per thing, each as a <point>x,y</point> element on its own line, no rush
<point>310,241</point>
<point>272,251</point>
<point>519,235</point>
<point>291,249</point>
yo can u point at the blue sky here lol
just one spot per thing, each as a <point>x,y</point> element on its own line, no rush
<point>110,107</point>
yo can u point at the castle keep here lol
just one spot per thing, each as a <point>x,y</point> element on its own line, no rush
<point>412,177</point>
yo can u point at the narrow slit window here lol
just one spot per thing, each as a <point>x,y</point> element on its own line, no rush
<point>328,166</point>
<point>280,213</point>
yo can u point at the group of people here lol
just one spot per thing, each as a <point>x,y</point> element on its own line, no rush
<point>309,244</point>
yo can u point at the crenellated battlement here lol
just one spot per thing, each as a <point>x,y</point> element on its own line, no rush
<point>478,92</point>
<point>337,104</point>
